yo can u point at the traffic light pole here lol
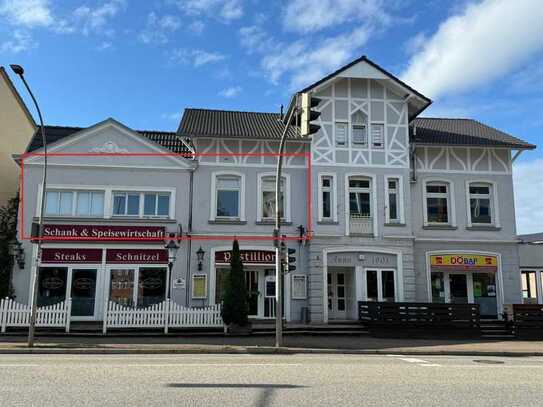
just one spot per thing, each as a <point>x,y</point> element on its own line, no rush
<point>277,238</point>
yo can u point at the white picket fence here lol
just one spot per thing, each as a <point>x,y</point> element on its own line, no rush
<point>15,314</point>
<point>166,314</point>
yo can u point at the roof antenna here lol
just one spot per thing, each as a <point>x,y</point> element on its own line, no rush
<point>281,112</point>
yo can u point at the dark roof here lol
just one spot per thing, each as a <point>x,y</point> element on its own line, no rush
<point>532,238</point>
<point>225,123</point>
<point>166,139</point>
<point>364,58</point>
<point>430,130</point>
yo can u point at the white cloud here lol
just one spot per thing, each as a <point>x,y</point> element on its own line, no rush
<point>158,28</point>
<point>230,92</point>
<point>96,19</point>
<point>172,116</point>
<point>487,40</point>
<point>27,13</point>
<point>528,178</point>
<point>224,10</point>
<point>104,46</point>
<point>196,27</point>
<point>305,62</point>
<point>21,41</point>
<point>255,39</point>
<point>195,57</point>
<point>310,16</point>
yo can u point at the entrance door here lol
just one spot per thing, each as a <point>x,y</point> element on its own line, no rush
<point>83,293</point>
<point>458,288</point>
<point>251,282</point>
<point>337,295</point>
<point>484,293</point>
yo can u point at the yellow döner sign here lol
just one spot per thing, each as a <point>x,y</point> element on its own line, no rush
<point>464,261</point>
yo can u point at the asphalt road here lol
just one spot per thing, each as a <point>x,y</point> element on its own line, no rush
<point>250,380</point>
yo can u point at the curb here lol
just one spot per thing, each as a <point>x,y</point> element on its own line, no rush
<point>259,351</point>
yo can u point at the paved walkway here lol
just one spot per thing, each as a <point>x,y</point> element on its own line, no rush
<point>265,344</point>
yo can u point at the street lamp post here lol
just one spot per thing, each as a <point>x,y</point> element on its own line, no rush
<point>172,248</point>
<point>32,326</point>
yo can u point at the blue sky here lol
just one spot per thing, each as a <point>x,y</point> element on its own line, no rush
<point>143,62</point>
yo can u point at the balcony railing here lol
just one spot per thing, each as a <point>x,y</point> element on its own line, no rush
<point>360,224</point>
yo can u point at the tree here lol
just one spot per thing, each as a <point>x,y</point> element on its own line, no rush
<point>8,233</point>
<point>235,308</point>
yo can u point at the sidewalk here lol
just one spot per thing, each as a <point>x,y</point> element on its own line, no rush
<point>265,345</point>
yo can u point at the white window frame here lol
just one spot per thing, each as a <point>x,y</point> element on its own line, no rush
<point>286,196</point>
<point>108,197</point>
<point>494,203</point>
<point>373,209</point>
<point>299,276</point>
<point>213,207</point>
<point>373,144</point>
<point>75,193</point>
<point>400,200</point>
<point>451,207</point>
<point>333,197</point>
<point>199,275</point>
<point>346,125</point>
<point>156,194</point>
<point>379,272</point>
<point>538,282</point>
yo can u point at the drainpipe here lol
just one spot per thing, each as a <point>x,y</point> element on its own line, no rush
<point>189,240</point>
<point>413,156</point>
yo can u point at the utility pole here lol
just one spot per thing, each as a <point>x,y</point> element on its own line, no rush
<point>34,295</point>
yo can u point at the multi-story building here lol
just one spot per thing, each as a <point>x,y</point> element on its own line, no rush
<point>387,206</point>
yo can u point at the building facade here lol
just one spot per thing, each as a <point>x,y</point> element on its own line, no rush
<point>531,268</point>
<point>380,205</point>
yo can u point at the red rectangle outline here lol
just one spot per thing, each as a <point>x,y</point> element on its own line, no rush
<point>308,235</point>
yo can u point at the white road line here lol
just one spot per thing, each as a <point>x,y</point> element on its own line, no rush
<point>420,362</point>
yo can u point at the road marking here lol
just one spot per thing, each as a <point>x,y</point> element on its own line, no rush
<point>420,362</point>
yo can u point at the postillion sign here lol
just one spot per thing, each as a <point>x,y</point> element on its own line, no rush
<point>464,262</point>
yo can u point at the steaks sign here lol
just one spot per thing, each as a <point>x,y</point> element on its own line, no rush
<point>103,233</point>
<point>71,256</point>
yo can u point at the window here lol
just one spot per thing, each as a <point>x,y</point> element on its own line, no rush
<point>142,286</point>
<point>74,203</point>
<point>437,203</point>
<point>378,135</point>
<point>341,134</point>
<point>299,287</point>
<point>141,204</point>
<point>380,285</point>
<point>327,198</point>
<point>156,204</point>
<point>267,198</point>
<point>529,287</point>
<point>199,286</point>
<point>359,128</point>
<point>393,201</point>
<point>228,191</point>
<point>480,204</point>
<point>126,204</point>
<point>360,197</point>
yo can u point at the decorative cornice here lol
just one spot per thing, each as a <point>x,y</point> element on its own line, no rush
<point>108,147</point>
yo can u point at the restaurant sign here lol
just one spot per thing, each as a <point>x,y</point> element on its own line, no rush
<point>71,256</point>
<point>247,256</point>
<point>467,262</point>
<point>136,256</point>
<point>103,232</point>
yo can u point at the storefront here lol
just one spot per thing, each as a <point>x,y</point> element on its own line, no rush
<point>259,268</point>
<point>92,272</point>
<point>463,277</point>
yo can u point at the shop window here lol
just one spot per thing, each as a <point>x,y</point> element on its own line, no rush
<point>52,285</point>
<point>437,203</point>
<point>299,287</point>
<point>121,287</point>
<point>529,287</point>
<point>438,288</point>
<point>380,285</point>
<point>327,198</point>
<point>228,193</point>
<point>199,286</point>
<point>387,285</point>
<point>151,286</point>
<point>220,284</point>
<point>267,198</point>
<point>480,204</point>
<point>372,285</point>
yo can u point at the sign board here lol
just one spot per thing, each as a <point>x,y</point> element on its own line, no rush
<point>247,256</point>
<point>179,283</point>
<point>136,256</point>
<point>104,232</point>
<point>466,262</point>
<point>71,256</point>
<point>366,259</point>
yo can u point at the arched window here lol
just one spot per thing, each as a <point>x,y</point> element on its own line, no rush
<point>359,128</point>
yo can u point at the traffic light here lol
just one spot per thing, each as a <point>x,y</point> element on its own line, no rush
<point>305,115</point>
<point>291,260</point>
